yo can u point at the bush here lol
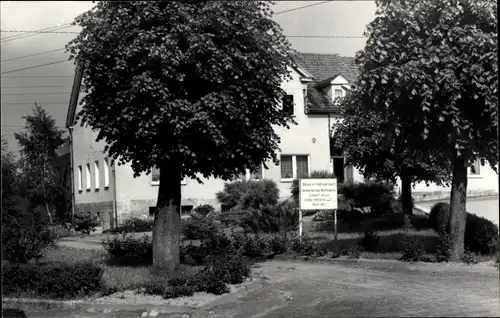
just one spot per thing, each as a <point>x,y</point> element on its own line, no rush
<point>204,209</point>
<point>353,252</point>
<point>481,235</point>
<point>249,194</point>
<point>52,281</point>
<point>413,250</point>
<point>85,222</point>
<point>369,241</point>
<point>308,247</point>
<point>443,251</point>
<point>468,258</point>
<point>198,227</point>
<point>324,215</point>
<point>25,235</point>
<point>439,217</point>
<point>282,217</point>
<point>132,225</point>
<point>378,196</point>
<point>128,245</point>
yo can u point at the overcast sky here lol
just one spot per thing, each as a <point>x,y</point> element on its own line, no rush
<point>18,92</point>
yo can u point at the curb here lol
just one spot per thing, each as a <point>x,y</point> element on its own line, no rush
<point>92,306</point>
<point>335,261</point>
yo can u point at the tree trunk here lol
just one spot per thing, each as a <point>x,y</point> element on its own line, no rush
<point>457,208</point>
<point>166,228</point>
<point>406,200</point>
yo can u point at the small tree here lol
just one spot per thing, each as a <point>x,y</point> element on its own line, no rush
<point>39,162</point>
<point>188,87</point>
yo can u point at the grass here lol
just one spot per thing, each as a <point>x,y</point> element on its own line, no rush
<point>116,277</point>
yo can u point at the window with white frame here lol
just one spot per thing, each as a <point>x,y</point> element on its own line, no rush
<point>80,178</point>
<point>249,175</point>
<point>338,93</point>
<point>97,174</point>
<point>155,177</point>
<point>288,104</point>
<point>106,173</point>
<point>475,169</point>
<point>88,176</point>
<point>294,166</point>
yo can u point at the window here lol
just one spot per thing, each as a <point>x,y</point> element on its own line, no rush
<point>186,209</point>
<point>257,175</point>
<point>302,166</point>
<point>475,169</point>
<point>286,167</point>
<point>97,174</point>
<point>106,173</point>
<point>338,93</point>
<point>224,208</point>
<point>155,177</point>
<point>293,167</point>
<point>152,210</point>
<point>88,176</point>
<point>288,104</point>
<point>80,178</point>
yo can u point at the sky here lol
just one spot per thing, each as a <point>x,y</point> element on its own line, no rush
<point>317,27</point>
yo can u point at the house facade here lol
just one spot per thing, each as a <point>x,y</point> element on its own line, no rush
<point>112,193</point>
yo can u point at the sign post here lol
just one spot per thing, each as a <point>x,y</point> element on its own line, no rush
<point>317,194</point>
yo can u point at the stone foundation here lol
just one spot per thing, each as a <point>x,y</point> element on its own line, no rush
<point>421,196</point>
<point>104,210</point>
<point>127,209</point>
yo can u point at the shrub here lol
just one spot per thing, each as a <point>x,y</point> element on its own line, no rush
<point>282,217</point>
<point>324,215</point>
<point>52,281</point>
<point>439,217</point>
<point>369,241</point>
<point>413,250</point>
<point>468,258</point>
<point>204,209</point>
<point>139,225</point>
<point>85,222</point>
<point>128,245</point>
<point>25,235</point>
<point>308,247</point>
<point>336,251</point>
<point>378,196</point>
<point>443,251</point>
<point>249,194</point>
<point>481,235</point>
<point>198,227</point>
<point>353,252</point>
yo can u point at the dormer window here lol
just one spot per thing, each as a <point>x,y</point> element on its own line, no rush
<point>339,92</point>
<point>288,104</point>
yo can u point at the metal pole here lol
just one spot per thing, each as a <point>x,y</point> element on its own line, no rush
<point>335,224</point>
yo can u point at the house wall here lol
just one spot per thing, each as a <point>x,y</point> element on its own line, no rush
<point>309,137</point>
<point>483,184</point>
<point>97,201</point>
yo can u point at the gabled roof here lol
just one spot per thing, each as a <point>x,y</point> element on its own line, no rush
<point>324,68</point>
<point>75,93</point>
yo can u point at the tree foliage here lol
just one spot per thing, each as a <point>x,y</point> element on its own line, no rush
<point>198,82</point>
<point>189,87</point>
<point>431,68</point>
<point>39,162</point>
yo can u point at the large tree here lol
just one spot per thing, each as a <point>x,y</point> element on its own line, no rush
<point>39,161</point>
<point>187,87</point>
<point>380,146</point>
<point>442,55</point>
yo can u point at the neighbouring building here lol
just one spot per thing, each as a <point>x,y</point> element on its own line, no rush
<point>112,192</point>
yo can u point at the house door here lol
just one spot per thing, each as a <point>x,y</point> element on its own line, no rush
<point>339,169</point>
